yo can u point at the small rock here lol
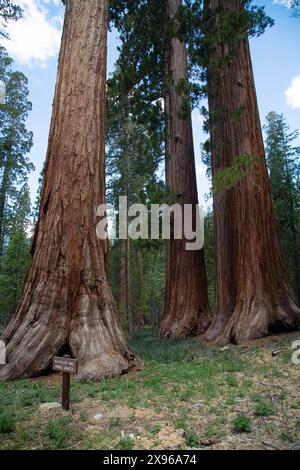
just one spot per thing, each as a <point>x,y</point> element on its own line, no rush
<point>50,406</point>
<point>197,406</point>
<point>131,436</point>
<point>174,447</point>
<point>209,442</point>
<point>296,446</point>
<point>182,433</point>
<point>98,417</point>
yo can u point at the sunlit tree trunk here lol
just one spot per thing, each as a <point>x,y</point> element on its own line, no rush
<point>253,292</point>
<point>66,301</point>
<point>186,308</point>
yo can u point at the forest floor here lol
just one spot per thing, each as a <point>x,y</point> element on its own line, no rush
<point>186,395</point>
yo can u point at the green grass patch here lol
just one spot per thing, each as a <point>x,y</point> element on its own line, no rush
<point>264,409</point>
<point>7,421</point>
<point>241,424</point>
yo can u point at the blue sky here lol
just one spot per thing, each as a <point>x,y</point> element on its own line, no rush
<point>34,46</point>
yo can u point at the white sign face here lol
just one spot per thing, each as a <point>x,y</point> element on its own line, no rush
<point>2,353</point>
<point>2,92</point>
<point>65,364</point>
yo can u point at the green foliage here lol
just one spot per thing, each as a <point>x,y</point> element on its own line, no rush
<point>58,432</point>
<point>296,405</point>
<point>15,264</point>
<point>15,143</point>
<point>237,113</point>
<point>283,159</point>
<point>286,436</point>
<point>115,422</point>
<point>192,439</point>
<point>208,27</point>
<point>241,424</point>
<point>126,443</point>
<point>170,368</point>
<point>242,166</point>
<point>9,11</point>
<point>264,409</point>
<point>181,423</point>
<point>7,421</point>
<point>140,69</point>
<point>15,211</point>
<point>135,149</point>
<point>295,5</point>
<point>16,259</point>
<point>182,89</point>
<point>231,380</point>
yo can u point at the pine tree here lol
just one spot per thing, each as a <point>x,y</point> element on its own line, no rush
<point>16,259</point>
<point>283,161</point>
<point>295,5</point>
<point>150,72</point>
<point>15,141</point>
<point>134,152</point>
<point>9,11</point>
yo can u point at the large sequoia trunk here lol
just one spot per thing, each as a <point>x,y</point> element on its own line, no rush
<point>254,294</point>
<point>186,306</point>
<point>66,302</point>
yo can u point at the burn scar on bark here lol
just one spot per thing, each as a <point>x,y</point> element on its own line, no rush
<point>46,204</point>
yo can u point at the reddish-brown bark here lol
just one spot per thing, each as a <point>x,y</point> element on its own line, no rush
<point>66,300</point>
<point>254,294</point>
<point>186,306</point>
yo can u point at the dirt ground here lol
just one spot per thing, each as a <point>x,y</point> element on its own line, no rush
<point>179,405</point>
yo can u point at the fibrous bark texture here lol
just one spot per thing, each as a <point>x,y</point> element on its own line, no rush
<point>66,300</point>
<point>186,306</point>
<point>254,294</point>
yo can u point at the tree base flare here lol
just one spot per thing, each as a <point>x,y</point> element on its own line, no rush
<point>254,321</point>
<point>182,326</point>
<point>93,336</point>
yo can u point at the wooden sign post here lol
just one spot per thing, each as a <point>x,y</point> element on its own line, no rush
<point>67,366</point>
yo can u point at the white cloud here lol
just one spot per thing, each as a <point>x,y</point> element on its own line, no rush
<point>35,38</point>
<point>286,3</point>
<point>293,93</point>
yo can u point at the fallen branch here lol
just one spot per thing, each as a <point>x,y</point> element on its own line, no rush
<point>279,351</point>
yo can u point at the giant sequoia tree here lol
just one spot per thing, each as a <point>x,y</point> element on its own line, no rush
<point>153,66</point>
<point>253,292</point>
<point>186,309</point>
<point>66,302</point>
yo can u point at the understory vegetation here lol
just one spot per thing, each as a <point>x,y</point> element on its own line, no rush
<point>185,395</point>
